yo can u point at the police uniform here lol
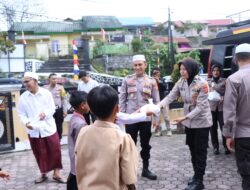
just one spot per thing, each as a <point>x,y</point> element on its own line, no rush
<point>237,119</point>
<point>59,95</point>
<point>199,119</point>
<point>134,93</point>
<point>217,112</point>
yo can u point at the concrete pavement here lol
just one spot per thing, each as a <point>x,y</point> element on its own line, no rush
<point>170,159</point>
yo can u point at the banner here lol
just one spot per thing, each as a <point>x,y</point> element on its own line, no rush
<point>75,60</point>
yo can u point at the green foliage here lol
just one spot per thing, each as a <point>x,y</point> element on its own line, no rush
<point>137,45</point>
<point>97,46</point>
<point>102,48</point>
<point>195,54</point>
<point>120,73</point>
<point>99,68</point>
<point>6,45</point>
<point>188,25</point>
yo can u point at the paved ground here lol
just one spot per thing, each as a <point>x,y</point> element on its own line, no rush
<point>170,160</point>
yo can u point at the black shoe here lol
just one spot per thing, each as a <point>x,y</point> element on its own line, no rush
<point>148,174</point>
<point>216,151</point>
<point>196,185</point>
<point>227,152</point>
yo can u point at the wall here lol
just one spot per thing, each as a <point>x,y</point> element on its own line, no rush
<point>14,62</point>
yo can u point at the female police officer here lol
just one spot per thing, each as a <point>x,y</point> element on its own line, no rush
<point>197,120</point>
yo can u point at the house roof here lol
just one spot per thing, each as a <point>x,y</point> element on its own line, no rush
<point>48,27</point>
<point>164,39</point>
<point>98,22</point>
<point>138,21</point>
<point>215,22</point>
<point>220,22</point>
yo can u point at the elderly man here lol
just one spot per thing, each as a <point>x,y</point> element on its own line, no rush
<point>35,109</point>
<point>236,113</point>
<point>135,91</point>
<point>59,96</point>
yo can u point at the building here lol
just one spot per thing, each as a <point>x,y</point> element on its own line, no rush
<point>48,40</point>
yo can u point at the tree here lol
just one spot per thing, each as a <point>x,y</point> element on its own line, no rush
<point>5,44</point>
<point>20,10</point>
<point>188,25</point>
<point>137,45</point>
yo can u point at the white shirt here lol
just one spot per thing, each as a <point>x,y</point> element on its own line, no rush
<point>126,118</point>
<point>86,87</point>
<point>31,105</point>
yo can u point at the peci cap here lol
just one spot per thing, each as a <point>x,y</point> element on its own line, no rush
<point>31,75</point>
<point>243,48</point>
<point>138,58</point>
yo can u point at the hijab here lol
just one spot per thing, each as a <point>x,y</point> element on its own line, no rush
<point>192,68</point>
<point>220,70</point>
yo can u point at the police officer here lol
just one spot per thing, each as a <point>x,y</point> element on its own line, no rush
<point>156,74</point>
<point>58,94</point>
<point>135,91</point>
<point>217,83</point>
<point>236,113</point>
<point>197,120</point>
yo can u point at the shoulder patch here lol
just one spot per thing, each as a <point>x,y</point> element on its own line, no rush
<point>204,88</point>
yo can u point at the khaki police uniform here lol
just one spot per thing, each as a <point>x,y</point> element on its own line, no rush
<point>199,119</point>
<point>196,106</point>
<point>134,93</point>
<point>217,111</point>
<point>59,96</point>
<point>237,119</point>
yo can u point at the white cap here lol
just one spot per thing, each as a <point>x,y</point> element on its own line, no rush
<point>138,58</point>
<point>243,48</point>
<point>31,75</point>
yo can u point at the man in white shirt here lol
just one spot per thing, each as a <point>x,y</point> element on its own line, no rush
<point>35,109</point>
<point>86,84</point>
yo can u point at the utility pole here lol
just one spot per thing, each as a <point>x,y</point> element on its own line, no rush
<point>171,58</point>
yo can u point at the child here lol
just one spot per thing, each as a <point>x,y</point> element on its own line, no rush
<point>106,157</point>
<point>78,101</point>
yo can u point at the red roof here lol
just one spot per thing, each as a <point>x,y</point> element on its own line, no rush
<point>164,39</point>
<point>215,22</point>
<point>220,22</point>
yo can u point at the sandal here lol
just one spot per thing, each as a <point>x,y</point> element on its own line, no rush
<point>60,179</point>
<point>41,179</point>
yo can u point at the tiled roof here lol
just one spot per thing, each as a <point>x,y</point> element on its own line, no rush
<point>47,27</point>
<point>215,22</point>
<point>220,22</point>
<point>98,22</point>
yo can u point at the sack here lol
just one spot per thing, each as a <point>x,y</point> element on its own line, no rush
<point>214,96</point>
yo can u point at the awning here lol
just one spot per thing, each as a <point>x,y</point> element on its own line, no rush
<point>232,39</point>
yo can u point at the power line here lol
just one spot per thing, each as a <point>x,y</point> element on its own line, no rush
<point>20,13</point>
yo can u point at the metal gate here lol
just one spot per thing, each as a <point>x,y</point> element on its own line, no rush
<point>6,122</point>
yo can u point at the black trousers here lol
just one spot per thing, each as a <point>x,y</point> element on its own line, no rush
<point>217,117</point>
<point>87,117</point>
<point>71,182</point>
<point>242,154</point>
<point>58,116</point>
<point>144,129</point>
<point>197,140</point>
